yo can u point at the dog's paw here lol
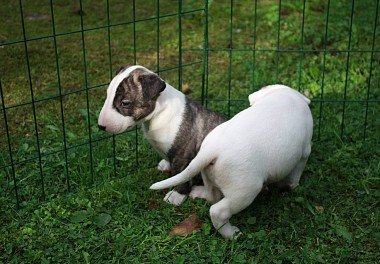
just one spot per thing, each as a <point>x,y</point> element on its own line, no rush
<point>164,166</point>
<point>230,232</point>
<point>236,232</point>
<point>175,198</point>
<point>198,192</point>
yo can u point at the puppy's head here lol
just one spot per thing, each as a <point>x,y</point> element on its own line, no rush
<point>131,97</point>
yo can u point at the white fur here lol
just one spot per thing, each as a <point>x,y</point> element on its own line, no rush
<point>161,126</point>
<point>175,198</point>
<point>266,143</point>
<point>255,97</point>
<point>164,166</point>
<point>198,192</point>
<point>109,117</point>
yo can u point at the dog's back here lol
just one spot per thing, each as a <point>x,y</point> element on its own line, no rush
<point>273,135</point>
<point>197,123</point>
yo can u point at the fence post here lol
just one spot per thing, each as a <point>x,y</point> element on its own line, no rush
<point>370,70</point>
<point>9,146</point>
<point>205,53</point>
<point>60,96</point>
<point>33,101</point>
<point>180,45</point>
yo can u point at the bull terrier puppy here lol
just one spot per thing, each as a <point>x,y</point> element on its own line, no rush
<point>173,124</point>
<point>269,142</point>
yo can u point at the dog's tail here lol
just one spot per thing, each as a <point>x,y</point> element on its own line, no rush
<point>202,160</point>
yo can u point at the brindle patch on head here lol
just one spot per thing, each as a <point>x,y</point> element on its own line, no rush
<point>136,95</point>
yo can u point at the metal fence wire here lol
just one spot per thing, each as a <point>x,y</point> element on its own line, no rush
<point>57,58</point>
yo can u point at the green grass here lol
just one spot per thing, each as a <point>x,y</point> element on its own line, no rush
<point>108,213</point>
<point>331,217</point>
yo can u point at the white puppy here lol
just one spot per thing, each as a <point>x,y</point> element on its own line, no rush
<point>268,142</point>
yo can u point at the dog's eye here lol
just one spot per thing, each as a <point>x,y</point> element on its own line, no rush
<point>125,103</point>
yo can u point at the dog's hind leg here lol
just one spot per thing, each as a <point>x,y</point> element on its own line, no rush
<point>233,202</point>
<point>207,192</point>
<point>292,180</point>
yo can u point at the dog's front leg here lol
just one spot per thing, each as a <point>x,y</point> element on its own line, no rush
<point>175,197</point>
<point>178,195</point>
<point>164,166</point>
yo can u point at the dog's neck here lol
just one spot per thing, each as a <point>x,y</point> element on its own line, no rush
<point>161,126</point>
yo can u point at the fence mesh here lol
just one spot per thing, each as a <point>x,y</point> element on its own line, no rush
<point>57,58</point>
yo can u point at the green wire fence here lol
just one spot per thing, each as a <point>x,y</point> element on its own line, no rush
<point>59,56</point>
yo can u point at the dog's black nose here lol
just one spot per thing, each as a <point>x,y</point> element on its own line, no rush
<point>102,127</point>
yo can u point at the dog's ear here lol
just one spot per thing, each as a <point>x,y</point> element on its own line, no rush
<point>152,85</point>
<point>122,68</point>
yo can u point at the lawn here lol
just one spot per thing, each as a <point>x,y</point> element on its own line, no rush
<point>83,195</point>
